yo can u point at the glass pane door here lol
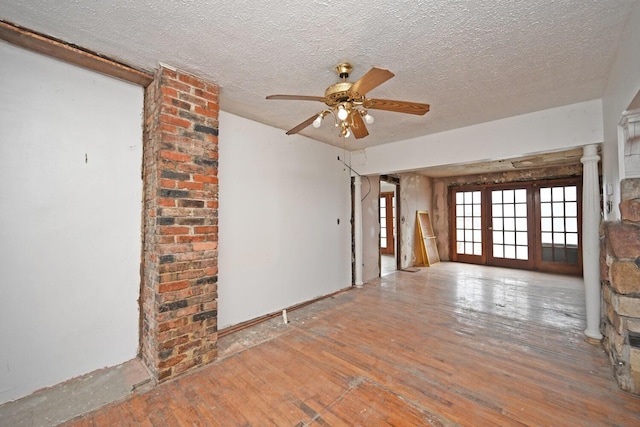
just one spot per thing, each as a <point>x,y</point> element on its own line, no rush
<point>559,228</point>
<point>383,223</point>
<point>509,219</point>
<point>510,227</point>
<point>387,222</point>
<point>468,226</point>
<point>531,225</point>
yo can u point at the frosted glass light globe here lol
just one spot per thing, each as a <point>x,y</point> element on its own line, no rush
<point>342,113</point>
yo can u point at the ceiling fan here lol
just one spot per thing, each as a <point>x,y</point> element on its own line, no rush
<point>349,105</point>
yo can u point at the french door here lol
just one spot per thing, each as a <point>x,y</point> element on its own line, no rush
<point>511,219</point>
<point>387,221</point>
<point>532,225</point>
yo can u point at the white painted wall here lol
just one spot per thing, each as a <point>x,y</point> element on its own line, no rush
<point>623,85</point>
<point>370,228</point>
<point>543,131</point>
<point>70,206</point>
<point>280,199</point>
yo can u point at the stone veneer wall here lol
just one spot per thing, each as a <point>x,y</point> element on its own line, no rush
<point>180,220</point>
<point>620,270</point>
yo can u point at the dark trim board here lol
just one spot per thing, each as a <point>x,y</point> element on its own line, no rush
<point>59,49</point>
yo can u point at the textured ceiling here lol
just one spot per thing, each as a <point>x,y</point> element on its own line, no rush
<point>473,61</point>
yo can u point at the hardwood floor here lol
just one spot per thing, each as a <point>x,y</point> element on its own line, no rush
<point>387,264</point>
<point>452,344</point>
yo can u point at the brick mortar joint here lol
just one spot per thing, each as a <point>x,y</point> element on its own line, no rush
<point>197,307</point>
<point>166,71</point>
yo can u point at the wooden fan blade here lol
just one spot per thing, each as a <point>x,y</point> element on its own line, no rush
<point>297,97</point>
<point>372,79</point>
<point>358,127</point>
<point>302,125</point>
<point>397,106</point>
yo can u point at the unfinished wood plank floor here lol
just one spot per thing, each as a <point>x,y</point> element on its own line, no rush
<point>453,344</point>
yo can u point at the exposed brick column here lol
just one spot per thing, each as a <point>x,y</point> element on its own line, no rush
<point>179,289</point>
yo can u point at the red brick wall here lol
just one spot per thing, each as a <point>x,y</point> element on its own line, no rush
<point>180,220</point>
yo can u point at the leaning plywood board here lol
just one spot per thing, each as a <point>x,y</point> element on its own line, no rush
<point>428,239</point>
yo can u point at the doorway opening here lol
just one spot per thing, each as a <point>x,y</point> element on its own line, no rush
<point>389,214</point>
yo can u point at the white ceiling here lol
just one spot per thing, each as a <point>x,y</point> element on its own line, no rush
<point>473,61</point>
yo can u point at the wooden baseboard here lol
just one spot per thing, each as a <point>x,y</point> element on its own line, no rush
<point>257,320</point>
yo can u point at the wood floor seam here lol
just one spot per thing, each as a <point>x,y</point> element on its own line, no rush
<point>448,345</point>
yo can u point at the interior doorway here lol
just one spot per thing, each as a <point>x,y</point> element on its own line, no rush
<point>387,219</point>
<point>389,213</point>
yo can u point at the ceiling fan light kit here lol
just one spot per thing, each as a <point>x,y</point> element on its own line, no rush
<point>348,104</point>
